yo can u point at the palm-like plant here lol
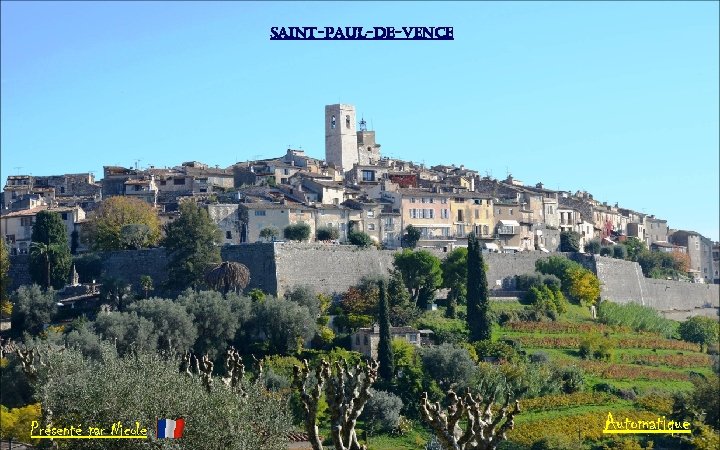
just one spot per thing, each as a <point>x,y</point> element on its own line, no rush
<point>41,249</point>
<point>228,276</point>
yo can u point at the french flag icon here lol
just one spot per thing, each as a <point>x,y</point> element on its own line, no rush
<point>170,429</point>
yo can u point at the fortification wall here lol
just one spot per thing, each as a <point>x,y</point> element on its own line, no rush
<point>621,281</point>
<point>130,265</point>
<point>18,271</point>
<point>278,267</point>
<point>259,260</point>
<point>329,268</point>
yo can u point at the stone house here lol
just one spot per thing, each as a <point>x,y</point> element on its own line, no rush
<point>17,226</point>
<point>366,340</point>
<point>699,250</point>
<point>256,216</point>
<point>227,217</point>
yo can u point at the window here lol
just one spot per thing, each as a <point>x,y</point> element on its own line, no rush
<point>478,202</point>
<point>444,213</point>
<point>347,121</point>
<point>178,181</point>
<point>431,213</point>
<point>443,200</point>
<point>163,182</point>
<point>332,123</point>
<point>413,213</point>
<point>259,213</point>
<point>26,221</point>
<point>422,200</point>
<point>64,216</point>
<point>228,235</point>
<point>511,211</point>
<point>357,340</point>
<point>371,226</point>
<point>388,221</point>
<point>477,213</point>
<point>286,171</point>
<point>460,216</point>
<point>487,213</point>
<point>486,230</point>
<point>412,199</point>
<point>371,213</point>
<point>365,340</point>
<point>368,175</point>
<point>432,200</point>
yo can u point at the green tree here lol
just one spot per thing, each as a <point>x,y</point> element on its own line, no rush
<point>619,251</point>
<point>593,246</point>
<point>4,278</point>
<point>117,292</point>
<point>50,258</point>
<point>569,241</point>
<point>284,323</point>
<point>478,318</point>
<point>128,331</point>
<point>297,232</point>
<point>83,391</point>
<point>269,233</point>
<point>385,351</point>
<point>454,270</point>
<point>634,248</point>
<point>327,234</point>
<point>32,309</point>
<point>173,324</point>
<point>450,366</point>
<point>700,330</point>
<point>192,245</point>
<point>217,318</point>
<point>146,284</point>
<point>360,239</point>
<point>121,223</point>
<point>411,237</point>
<point>420,271</point>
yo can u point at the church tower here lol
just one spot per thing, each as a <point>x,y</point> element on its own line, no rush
<point>341,146</point>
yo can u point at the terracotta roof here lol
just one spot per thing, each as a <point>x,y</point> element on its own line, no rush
<point>37,209</point>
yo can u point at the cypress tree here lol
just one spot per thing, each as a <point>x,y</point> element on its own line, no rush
<point>385,351</point>
<point>477,293</point>
<point>50,258</point>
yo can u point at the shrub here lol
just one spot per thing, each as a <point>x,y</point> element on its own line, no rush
<point>619,251</point>
<point>571,379</point>
<point>360,239</point>
<point>636,317</point>
<point>605,251</point>
<point>539,358</point>
<point>382,411</point>
<point>500,350</point>
<point>569,241</point>
<point>327,234</point>
<point>87,392</point>
<point>596,346</point>
<point>593,246</point>
<point>545,300</point>
<point>700,330</point>
<point>297,232</point>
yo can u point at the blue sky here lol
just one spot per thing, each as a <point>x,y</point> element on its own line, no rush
<point>619,99</point>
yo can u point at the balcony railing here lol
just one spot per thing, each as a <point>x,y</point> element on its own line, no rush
<point>506,230</point>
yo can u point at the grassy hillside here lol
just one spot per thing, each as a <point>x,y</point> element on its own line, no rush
<point>638,381</point>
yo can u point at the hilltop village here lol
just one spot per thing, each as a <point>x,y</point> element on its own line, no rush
<point>355,188</point>
<point>304,303</point>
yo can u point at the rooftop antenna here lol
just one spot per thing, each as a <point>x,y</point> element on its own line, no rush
<point>17,169</point>
<point>372,127</point>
